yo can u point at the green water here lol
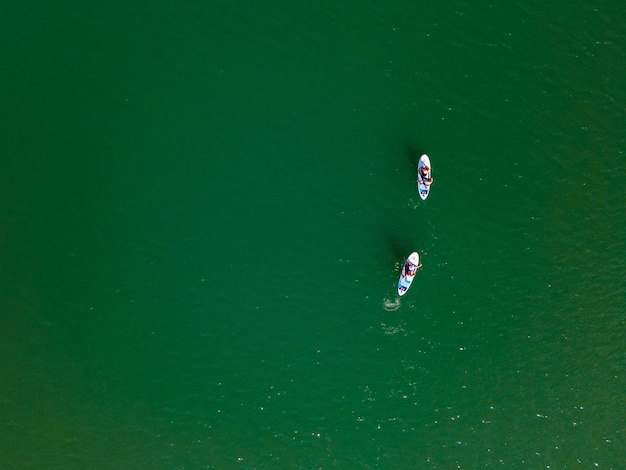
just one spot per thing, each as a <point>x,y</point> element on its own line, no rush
<point>205,206</point>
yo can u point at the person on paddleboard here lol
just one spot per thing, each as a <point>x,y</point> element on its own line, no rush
<point>424,174</point>
<point>410,269</point>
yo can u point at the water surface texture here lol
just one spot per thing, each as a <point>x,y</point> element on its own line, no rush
<point>205,206</point>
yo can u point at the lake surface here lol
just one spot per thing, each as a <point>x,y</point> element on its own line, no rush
<point>205,207</point>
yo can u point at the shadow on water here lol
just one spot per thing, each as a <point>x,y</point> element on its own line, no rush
<point>399,247</point>
<point>413,154</point>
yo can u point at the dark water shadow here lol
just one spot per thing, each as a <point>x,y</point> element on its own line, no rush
<point>399,246</point>
<point>413,154</point>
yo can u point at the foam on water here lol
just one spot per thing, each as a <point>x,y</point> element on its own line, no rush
<point>391,305</point>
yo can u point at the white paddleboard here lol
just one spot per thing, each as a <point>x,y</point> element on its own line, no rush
<point>422,188</point>
<point>411,265</point>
